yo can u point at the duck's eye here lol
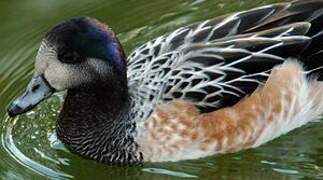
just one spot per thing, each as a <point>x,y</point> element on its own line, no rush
<point>69,57</point>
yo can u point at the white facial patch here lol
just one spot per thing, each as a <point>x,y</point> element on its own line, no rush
<point>62,76</point>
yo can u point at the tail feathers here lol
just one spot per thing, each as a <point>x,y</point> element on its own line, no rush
<point>288,15</point>
<point>313,55</point>
<point>314,65</point>
<point>316,33</point>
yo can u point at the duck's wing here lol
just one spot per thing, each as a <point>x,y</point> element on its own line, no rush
<point>244,22</point>
<point>220,73</point>
<point>216,63</point>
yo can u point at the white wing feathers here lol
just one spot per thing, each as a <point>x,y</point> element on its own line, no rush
<point>217,62</point>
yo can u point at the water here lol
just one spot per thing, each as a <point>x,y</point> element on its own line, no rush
<point>29,148</point>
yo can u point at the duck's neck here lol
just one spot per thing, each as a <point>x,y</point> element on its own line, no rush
<point>95,122</point>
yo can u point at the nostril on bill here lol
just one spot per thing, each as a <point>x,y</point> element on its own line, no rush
<point>14,110</point>
<point>34,88</point>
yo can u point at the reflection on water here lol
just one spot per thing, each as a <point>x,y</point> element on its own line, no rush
<point>29,148</point>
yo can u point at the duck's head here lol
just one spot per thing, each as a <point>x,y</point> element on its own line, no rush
<point>74,53</point>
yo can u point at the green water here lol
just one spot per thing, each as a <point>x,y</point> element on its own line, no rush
<point>29,148</point>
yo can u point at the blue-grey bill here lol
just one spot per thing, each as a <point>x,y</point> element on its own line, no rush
<point>37,90</point>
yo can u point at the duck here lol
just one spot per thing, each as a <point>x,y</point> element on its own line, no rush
<point>219,86</point>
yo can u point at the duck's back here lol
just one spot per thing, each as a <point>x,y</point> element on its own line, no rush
<point>215,63</point>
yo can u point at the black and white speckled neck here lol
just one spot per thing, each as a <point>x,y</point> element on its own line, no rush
<point>95,122</point>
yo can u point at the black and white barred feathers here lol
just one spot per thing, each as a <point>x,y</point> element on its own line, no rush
<point>215,63</point>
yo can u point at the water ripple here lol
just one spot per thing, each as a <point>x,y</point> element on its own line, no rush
<point>9,145</point>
